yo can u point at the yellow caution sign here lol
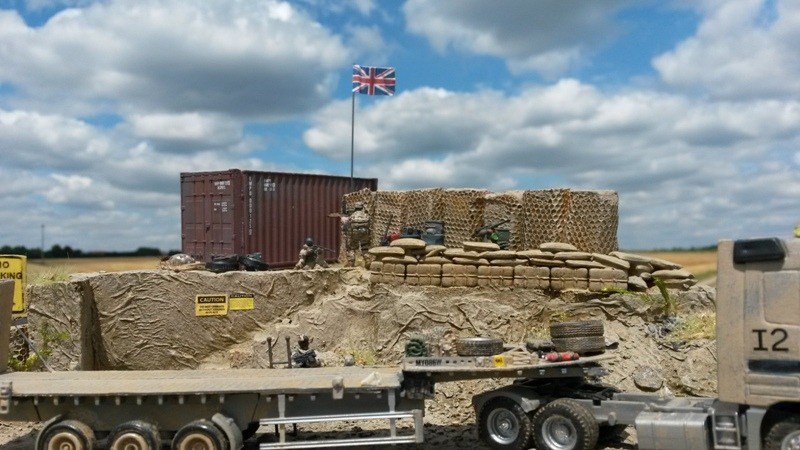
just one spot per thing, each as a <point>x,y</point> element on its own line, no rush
<point>499,360</point>
<point>241,302</point>
<point>211,305</point>
<point>14,267</point>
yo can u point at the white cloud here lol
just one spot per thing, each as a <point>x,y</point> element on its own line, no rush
<point>738,53</point>
<point>546,36</point>
<point>246,58</point>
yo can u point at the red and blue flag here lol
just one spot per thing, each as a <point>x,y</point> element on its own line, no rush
<point>373,80</point>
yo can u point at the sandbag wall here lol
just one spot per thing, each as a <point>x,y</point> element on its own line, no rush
<point>587,219</point>
<point>551,266</point>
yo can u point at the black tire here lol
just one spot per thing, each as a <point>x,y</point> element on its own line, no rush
<point>581,345</point>
<point>564,424</point>
<point>200,435</point>
<point>576,329</point>
<point>250,431</point>
<point>784,434</point>
<point>254,265</point>
<point>67,435</point>
<point>230,259</point>
<point>134,435</point>
<point>221,266</point>
<point>479,346</point>
<point>503,424</point>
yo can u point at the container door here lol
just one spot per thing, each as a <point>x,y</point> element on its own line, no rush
<point>208,215</point>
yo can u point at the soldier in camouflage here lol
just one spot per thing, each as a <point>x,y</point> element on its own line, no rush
<point>356,230</point>
<point>310,256</point>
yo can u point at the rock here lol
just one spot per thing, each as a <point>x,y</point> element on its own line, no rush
<point>611,261</point>
<point>480,246</point>
<point>546,262</point>
<point>535,253</point>
<point>584,264</point>
<point>672,274</point>
<point>639,269</point>
<point>563,256</point>
<point>636,283</point>
<point>386,251</point>
<point>556,247</point>
<point>647,378</point>
<point>663,264</point>
<point>631,258</point>
<point>409,243</point>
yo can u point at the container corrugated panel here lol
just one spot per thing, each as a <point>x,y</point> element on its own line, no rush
<point>272,213</point>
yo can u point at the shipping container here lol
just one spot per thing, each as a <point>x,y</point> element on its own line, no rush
<point>243,212</point>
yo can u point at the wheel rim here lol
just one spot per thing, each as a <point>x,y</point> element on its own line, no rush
<point>503,426</point>
<point>559,433</point>
<point>791,441</point>
<point>65,440</point>
<point>130,441</point>
<point>197,441</point>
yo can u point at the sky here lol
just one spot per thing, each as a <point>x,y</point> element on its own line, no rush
<point>688,109</point>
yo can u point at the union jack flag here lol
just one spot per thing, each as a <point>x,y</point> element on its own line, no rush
<point>373,80</point>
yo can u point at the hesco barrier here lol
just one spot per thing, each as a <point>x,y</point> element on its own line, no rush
<point>243,212</point>
<point>585,219</point>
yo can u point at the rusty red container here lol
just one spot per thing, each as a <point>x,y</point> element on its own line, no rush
<point>243,212</point>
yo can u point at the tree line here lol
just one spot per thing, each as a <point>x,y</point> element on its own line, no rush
<point>57,251</point>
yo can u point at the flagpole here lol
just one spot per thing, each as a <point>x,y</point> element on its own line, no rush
<point>352,137</point>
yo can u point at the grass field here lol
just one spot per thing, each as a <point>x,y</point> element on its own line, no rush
<point>703,264</point>
<point>59,269</point>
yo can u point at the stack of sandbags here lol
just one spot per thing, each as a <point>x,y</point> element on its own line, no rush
<point>644,270</point>
<point>553,265</point>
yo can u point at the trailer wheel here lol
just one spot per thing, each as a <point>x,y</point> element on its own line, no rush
<point>134,435</point>
<point>784,434</point>
<point>200,435</point>
<point>581,344</point>
<point>503,424</point>
<point>564,424</point>
<point>67,435</point>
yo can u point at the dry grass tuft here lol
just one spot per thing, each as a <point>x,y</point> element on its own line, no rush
<point>699,326</point>
<point>51,274</point>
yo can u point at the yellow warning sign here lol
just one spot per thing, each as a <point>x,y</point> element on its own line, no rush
<point>211,305</point>
<point>14,267</point>
<point>241,302</point>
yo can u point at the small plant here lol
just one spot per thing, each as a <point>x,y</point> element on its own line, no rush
<point>695,327</point>
<point>31,361</point>
<point>670,308</point>
<point>364,356</point>
<point>50,275</point>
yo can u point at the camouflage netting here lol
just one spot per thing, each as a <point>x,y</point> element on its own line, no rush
<point>586,219</point>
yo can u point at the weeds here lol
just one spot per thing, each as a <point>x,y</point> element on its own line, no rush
<point>692,328</point>
<point>32,361</point>
<point>50,275</point>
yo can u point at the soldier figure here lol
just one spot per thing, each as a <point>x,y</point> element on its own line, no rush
<point>310,256</point>
<point>303,356</point>
<point>356,228</point>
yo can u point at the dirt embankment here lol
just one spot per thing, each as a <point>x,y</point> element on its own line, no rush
<point>141,320</point>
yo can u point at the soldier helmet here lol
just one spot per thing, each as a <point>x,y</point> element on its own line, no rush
<point>359,205</point>
<point>309,242</point>
<point>303,338</point>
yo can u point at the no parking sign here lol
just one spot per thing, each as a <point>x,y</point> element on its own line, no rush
<point>14,267</point>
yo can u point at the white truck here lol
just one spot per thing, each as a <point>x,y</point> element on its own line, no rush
<point>552,406</point>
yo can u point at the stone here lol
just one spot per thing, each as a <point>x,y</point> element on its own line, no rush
<point>611,261</point>
<point>631,258</point>
<point>663,264</point>
<point>672,274</point>
<point>647,378</point>
<point>556,247</point>
<point>636,283</point>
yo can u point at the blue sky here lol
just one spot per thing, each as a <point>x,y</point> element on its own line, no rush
<point>688,109</point>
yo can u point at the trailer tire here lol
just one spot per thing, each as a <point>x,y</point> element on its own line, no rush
<point>199,435</point>
<point>784,434</point>
<point>576,329</point>
<point>479,346</point>
<point>581,345</point>
<point>67,435</point>
<point>503,424</point>
<point>134,435</point>
<point>564,424</point>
